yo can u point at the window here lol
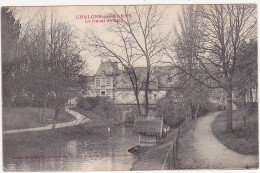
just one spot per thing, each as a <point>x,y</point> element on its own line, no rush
<point>108,82</point>
<point>103,82</point>
<point>103,93</point>
<point>97,82</point>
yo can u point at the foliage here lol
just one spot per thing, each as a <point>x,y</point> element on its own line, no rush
<point>102,106</point>
<point>88,103</point>
<point>109,110</point>
<point>245,76</point>
<point>10,31</point>
<point>172,112</point>
<point>47,63</point>
<point>175,111</point>
<point>212,44</point>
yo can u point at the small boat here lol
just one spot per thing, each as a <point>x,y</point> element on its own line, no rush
<point>135,149</point>
<point>138,149</point>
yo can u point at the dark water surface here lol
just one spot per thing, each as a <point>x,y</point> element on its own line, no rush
<point>92,149</point>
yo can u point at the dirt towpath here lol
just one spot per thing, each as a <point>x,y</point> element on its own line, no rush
<point>201,149</point>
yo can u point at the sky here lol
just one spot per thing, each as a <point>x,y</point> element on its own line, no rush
<point>71,14</point>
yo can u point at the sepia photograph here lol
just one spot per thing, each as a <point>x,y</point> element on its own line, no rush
<point>129,87</point>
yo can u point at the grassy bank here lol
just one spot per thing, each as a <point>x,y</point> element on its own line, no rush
<point>12,143</point>
<point>97,120</point>
<point>97,126</point>
<point>19,118</point>
<point>238,140</point>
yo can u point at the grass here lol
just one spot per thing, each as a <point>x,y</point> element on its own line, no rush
<point>97,120</point>
<point>96,127</point>
<point>19,118</point>
<point>238,140</point>
<point>12,143</point>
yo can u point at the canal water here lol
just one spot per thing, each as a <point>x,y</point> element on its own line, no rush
<point>91,150</point>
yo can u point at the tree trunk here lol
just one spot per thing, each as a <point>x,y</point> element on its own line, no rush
<point>229,106</point>
<point>39,113</point>
<point>197,110</point>
<point>244,98</point>
<point>39,107</point>
<point>55,117</point>
<point>250,93</point>
<point>43,110</point>
<point>147,91</point>
<point>138,103</point>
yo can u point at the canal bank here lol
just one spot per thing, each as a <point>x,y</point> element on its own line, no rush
<point>198,149</point>
<point>80,119</point>
<point>70,149</point>
<point>83,147</point>
<point>156,157</point>
<point>159,157</point>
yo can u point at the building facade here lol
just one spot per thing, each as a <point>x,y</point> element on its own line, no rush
<point>113,83</point>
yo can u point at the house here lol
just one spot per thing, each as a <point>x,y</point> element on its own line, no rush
<point>104,80</point>
<point>112,82</point>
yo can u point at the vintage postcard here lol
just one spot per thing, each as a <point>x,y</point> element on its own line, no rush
<point>135,87</point>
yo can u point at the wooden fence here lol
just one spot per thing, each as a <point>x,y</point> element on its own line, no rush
<point>171,159</point>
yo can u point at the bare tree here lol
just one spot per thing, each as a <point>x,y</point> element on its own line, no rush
<point>222,30</point>
<point>52,62</point>
<point>186,44</point>
<point>135,38</point>
<point>65,63</point>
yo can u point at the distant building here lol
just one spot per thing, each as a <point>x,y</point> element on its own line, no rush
<point>113,83</point>
<point>104,80</point>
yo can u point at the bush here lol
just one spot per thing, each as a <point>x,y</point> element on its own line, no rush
<point>101,106</point>
<point>173,113</point>
<point>88,103</point>
<point>108,109</point>
<point>21,101</point>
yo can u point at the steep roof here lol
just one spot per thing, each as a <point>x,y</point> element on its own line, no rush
<point>86,79</point>
<point>165,76</point>
<point>161,77</point>
<point>123,81</point>
<point>108,68</point>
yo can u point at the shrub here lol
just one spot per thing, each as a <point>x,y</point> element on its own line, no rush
<point>173,113</point>
<point>88,103</point>
<point>101,106</point>
<point>108,109</point>
<point>21,101</point>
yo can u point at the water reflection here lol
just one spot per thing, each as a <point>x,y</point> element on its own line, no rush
<point>94,150</point>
